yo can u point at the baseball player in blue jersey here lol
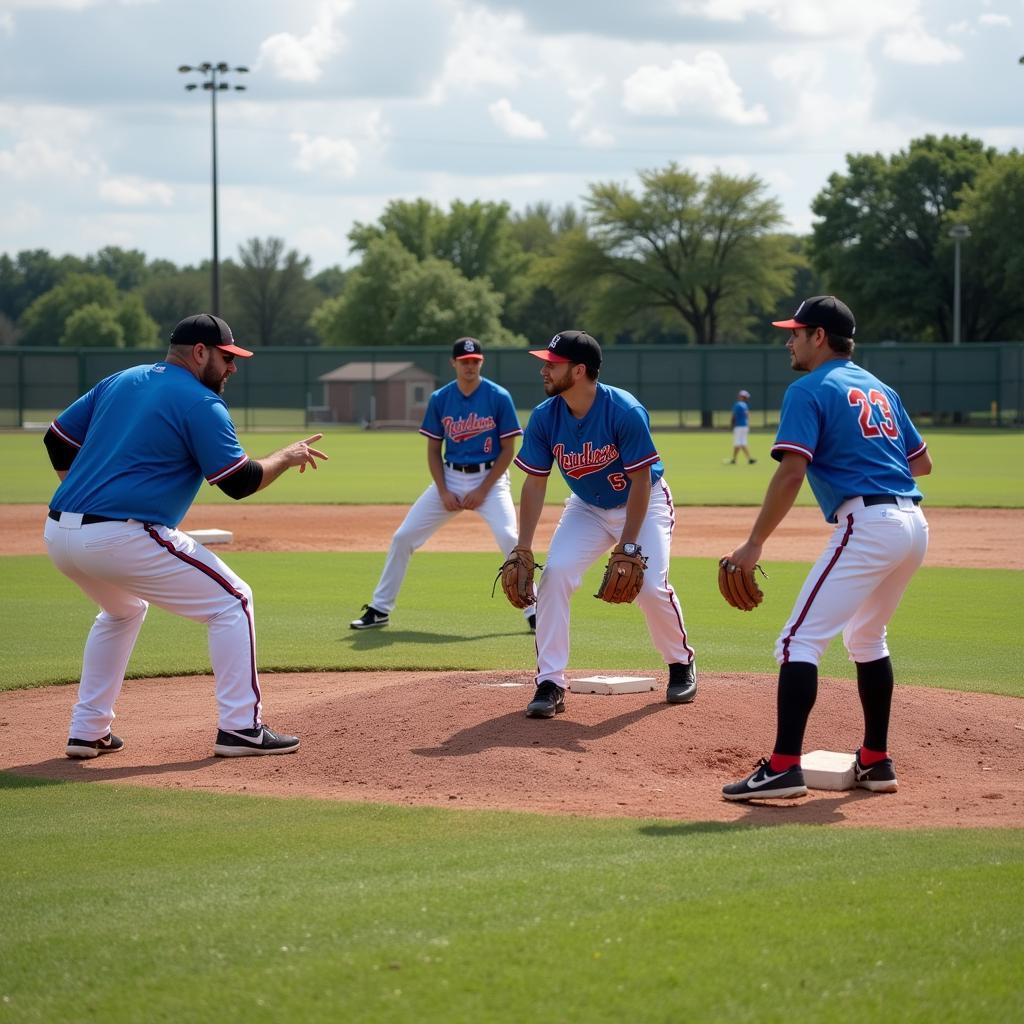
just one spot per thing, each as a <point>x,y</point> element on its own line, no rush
<point>475,421</point>
<point>849,434</point>
<point>131,455</point>
<point>600,439</point>
<point>740,427</point>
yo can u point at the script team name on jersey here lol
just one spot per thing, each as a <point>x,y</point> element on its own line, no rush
<point>580,464</point>
<point>468,426</point>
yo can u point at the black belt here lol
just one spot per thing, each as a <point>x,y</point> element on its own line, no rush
<point>87,519</point>
<point>885,499</point>
<point>472,467</point>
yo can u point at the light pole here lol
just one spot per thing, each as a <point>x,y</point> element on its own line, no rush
<point>213,85</point>
<point>958,232</point>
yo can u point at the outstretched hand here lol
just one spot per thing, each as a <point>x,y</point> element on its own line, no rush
<point>302,455</point>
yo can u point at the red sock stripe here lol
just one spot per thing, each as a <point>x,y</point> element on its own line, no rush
<point>870,757</point>
<point>817,586</point>
<point>226,584</point>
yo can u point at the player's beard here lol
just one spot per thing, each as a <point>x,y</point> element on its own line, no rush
<point>554,387</point>
<point>214,379</point>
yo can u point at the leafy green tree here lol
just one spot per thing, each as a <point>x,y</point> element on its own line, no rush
<point>44,321</point>
<point>992,257</point>
<point>93,325</point>
<point>697,254</point>
<point>474,237</point>
<point>271,290</point>
<point>171,295</point>
<point>535,309</point>
<point>329,282</point>
<point>125,267</point>
<point>139,328</point>
<point>882,239</point>
<point>392,298</point>
<point>32,273</point>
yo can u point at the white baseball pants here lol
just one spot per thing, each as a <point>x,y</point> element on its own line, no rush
<point>428,515</point>
<point>585,533</point>
<point>857,583</point>
<point>125,567</point>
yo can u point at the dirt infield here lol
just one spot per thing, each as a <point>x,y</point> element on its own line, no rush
<point>959,536</point>
<point>461,739</point>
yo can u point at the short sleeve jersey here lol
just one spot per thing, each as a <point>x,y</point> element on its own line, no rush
<point>471,426</point>
<point>854,432</point>
<point>740,414</point>
<point>595,453</point>
<point>146,438</point>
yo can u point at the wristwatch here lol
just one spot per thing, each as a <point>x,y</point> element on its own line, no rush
<point>631,549</point>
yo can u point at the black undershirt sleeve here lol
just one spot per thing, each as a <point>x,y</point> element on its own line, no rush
<point>244,482</point>
<point>61,453</point>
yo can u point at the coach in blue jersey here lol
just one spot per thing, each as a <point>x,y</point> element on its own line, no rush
<point>131,455</point>
<point>600,438</point>
<point>471,426</point>
<point>849,434</point>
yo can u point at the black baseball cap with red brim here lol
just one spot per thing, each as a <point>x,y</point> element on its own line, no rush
<point>571,347</point>
<point>207,329</point>
<point>823,311</point>
<point>467,348</point>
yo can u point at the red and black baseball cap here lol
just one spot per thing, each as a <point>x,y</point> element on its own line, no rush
<point>207,329</point>
<point>823,311</point>
<point>571,347</point>
<point>467,348</point>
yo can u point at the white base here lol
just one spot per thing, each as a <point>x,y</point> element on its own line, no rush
<point>211,536</point>
<point>612,684</point>
<point>828,769</point>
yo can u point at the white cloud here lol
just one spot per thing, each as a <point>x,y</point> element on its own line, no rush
<point>703,88</point>
<point>481,53</point>
<point>302,58</point>
<point>6,23</point>
<point>136,192</point>
<point>513,123</point>
<point>915,45</point>
<point>814,18</point>
<point>996,20</point>
<point>337,158</point>
<point>32,159</point>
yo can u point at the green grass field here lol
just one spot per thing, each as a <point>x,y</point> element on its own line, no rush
<point>139,905</point>
<point>972,469</point>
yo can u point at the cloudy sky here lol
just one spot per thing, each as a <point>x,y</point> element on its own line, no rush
<point>351,103</point>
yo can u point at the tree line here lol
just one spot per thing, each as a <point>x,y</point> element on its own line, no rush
<point>679,259</point>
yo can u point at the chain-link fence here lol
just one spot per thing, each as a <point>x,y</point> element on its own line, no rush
<point>681,386</point>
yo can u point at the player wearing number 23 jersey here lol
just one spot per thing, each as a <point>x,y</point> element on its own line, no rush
<point>599,437</point>
<point>848,433</point>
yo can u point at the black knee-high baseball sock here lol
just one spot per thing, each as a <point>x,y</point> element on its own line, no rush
<point>874,685</point>
<point>798,689</point>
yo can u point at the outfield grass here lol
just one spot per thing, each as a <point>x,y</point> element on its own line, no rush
<point>958,628</point>
<point>972,468</point>
<point>126,904</point>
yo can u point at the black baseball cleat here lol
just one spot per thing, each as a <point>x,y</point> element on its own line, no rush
<point>879,777</point>
<point>532,622</point>
<point>370,618</point>
<point>682,683</point>
<point>109,744</point>
<point>253,742</point>
<point>763,784</point>
<point>548,701</point>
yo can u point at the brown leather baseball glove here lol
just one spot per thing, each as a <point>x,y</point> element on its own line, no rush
<point>516,576</point>
<point>738,587</point>
<point>623,577</point>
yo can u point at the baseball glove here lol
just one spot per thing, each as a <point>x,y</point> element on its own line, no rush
<point>516,576</point>
<point>623,577</point>
<point>738,587</point>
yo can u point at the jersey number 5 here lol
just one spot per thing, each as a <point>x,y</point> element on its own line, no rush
<point>618,481</point>
<point>878,400</point>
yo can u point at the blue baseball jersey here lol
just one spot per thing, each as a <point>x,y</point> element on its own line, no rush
<point>854,432</point>
<point>146,438</point>
<point>596,453</point>
<point>471,426</point>
<point>740,414</point>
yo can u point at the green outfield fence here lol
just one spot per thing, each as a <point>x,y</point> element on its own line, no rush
<point>689,386</point>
